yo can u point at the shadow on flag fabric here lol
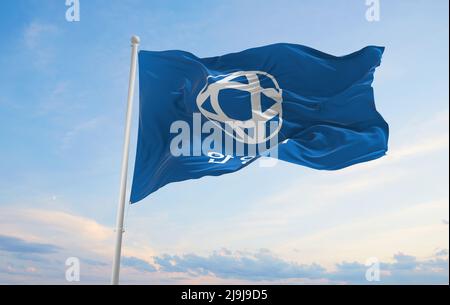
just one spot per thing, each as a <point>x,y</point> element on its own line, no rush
<point>211,116</point>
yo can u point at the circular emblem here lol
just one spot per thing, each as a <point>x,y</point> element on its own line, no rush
<point>256,93</point>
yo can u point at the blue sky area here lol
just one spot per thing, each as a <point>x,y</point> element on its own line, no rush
<point>63,90</point>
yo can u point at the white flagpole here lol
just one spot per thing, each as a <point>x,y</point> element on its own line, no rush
<point>123,177</point>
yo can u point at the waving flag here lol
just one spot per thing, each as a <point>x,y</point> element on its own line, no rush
<point>211,116</point>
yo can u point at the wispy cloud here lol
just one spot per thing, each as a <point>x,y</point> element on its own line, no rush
<point>36,32</point>
<point>138,264</point>
<point>84,126</point>
<point>17,245</point>
<point>427,137</point>
<point>44,239</point>
<point>73,233</point>
<point>421,147</point>
<point>55,99</point>
<point>38,38</point>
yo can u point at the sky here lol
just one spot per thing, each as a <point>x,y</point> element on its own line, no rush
<point>63,88</point>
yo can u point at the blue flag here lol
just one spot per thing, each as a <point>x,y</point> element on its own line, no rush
<point>211,116</point>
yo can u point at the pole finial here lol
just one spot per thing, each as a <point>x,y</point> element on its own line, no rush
<point>135,39</point>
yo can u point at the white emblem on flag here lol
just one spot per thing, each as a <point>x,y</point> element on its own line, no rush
<point>260,85</point>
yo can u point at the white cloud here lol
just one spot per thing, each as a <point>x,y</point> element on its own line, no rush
<point>267,267</point>
<point>48,237</point>
<point>66,230</point>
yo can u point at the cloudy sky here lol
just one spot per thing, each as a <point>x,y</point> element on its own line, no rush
<point>62,102</point>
